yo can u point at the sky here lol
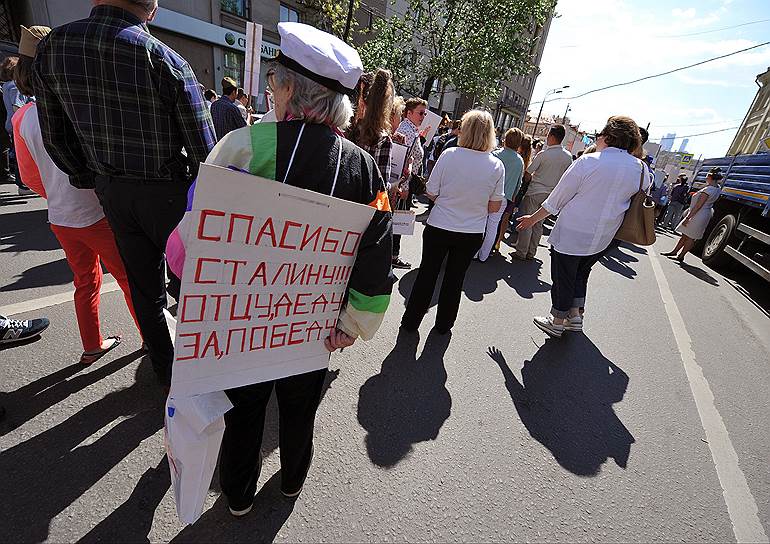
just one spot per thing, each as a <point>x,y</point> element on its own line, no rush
<point>593,43</point>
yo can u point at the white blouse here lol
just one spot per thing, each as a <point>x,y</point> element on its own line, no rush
<point>464,182</point>
<point>591,199</point>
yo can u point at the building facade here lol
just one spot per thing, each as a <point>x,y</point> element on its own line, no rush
<point>573,139</point>
<point>209,34</point>
<point>756,125</point>
<point>516,94</point>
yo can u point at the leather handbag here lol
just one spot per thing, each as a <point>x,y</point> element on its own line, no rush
<point>638,225</point>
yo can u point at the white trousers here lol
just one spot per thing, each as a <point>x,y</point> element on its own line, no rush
<point>490,234</point>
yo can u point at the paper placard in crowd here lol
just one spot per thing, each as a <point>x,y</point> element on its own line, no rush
<point>432,120</point>
<point>253,58</point>
<point>265,273</point>
<point>397,159</point>
<point>269,117</point>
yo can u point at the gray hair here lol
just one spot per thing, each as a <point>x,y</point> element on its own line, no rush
<point>312,101</point>
<point>149,5</point>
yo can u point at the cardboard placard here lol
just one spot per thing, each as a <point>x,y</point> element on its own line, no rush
<point>265,273</point>
<point>253,58</point>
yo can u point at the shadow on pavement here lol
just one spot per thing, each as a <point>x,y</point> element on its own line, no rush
<point>43,275</point>
<point>47,473</point>
<point>132,520</point>
<point>25,231</point>
<point>618,261</point>
<point>565,402</point>
<point>270,512</point>
<point>699,273</point>
<point>407,402</point>
<point>36,397</point>
<point>521,276</point>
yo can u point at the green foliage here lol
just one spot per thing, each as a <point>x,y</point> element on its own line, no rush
<point>331,15</point>
<point>471,45</point>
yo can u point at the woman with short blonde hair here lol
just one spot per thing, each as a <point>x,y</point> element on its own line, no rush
<point>466,185</point>
<point>478,131</point>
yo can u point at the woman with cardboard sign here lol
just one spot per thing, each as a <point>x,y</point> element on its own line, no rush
<point>309,81</point>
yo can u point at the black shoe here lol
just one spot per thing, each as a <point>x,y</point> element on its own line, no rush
<point>398,263</point>
<point>16,330</point>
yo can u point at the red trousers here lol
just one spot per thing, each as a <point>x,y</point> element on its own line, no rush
<point>84,247</point>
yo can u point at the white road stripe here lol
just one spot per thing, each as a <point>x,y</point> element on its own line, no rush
<point>741,505</point>
<point>51,300</point>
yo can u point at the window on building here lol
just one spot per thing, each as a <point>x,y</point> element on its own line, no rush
<point>233,67</point>
<point>236,7</point>
<point>288,15</point>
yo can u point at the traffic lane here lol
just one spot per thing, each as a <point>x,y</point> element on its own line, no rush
<point>32,263</point>
<point>731,341</point>
<point>454,459</point>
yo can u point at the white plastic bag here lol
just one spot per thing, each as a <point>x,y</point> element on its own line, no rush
<point>193,434</point>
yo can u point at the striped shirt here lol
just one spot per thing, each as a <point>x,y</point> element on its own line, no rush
<point>226,116</point>
<point>114,100</point>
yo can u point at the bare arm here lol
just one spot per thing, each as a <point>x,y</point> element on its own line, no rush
<point>526,221</point>
<point>700,200</point>
<point>494,206</point>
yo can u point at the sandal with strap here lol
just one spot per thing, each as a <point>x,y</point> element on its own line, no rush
<point>90,358</point>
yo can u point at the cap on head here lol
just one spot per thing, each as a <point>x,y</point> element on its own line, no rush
<point>715,173</point>
<point>30,37</point>
<point>319,56</point>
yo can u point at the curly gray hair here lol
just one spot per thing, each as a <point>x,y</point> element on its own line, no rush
<point>312,101</point>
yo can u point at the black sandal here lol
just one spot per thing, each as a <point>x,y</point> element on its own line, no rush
<point>88,359</point>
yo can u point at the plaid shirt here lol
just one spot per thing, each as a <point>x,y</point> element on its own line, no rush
<point>381,153</point>
<point>226,116</point>
<point>114,100</point>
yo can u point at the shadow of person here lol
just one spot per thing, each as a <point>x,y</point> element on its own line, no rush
<point>25,231</point>
<point>521,276</point>
<point>406,283</point>
<point>616,260</point>
<point>565,402</point>
<point>132,520</point>
<point>699,273</point>
<point>43,275</point>
<point>45,474</point>
<point>407,402</point>
<point>34,398</point>
<point>270,512</point>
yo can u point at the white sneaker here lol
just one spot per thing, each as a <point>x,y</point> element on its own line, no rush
<point>547,325</point>
<point>26,191</point>
<point>574,324</point>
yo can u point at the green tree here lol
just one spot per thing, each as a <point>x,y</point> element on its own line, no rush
<point>469,45</point>
<point>335,16</point>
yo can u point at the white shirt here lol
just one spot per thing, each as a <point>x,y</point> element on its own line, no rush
<point>464,181</point>
<point>591,200</point>
<point>243,110</point>
<point>67,206</point>
<point>547,168</point>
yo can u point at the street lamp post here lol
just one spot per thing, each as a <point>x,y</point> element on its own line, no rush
<point>547,94</point>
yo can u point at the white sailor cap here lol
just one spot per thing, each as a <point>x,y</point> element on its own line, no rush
<point>319,56</point>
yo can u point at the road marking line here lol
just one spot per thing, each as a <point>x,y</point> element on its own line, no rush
<point>741,505</point>
<point>51,300</point>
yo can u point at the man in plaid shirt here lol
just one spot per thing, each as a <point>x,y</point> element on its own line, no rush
<point>123,113</point>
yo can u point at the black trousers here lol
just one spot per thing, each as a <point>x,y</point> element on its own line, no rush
<point>142,216</point>
<point>239,464</point>
<point>458,248</point>
<point>569,279</point>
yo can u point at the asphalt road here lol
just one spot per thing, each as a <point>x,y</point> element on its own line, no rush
<point>494,434</point>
